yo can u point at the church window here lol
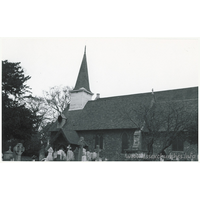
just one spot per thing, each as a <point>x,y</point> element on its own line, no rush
<point>124,142</point>
<point>99,141</point>
<point>177,144</point>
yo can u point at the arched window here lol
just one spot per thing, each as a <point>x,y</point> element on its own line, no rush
<point>99,141</point>
<point>96,141</point>
<point>124,142</point>
<point>177,144</point>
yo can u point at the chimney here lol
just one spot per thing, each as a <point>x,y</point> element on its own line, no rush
<point>98,96</point>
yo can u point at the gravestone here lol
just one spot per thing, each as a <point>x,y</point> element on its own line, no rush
<point>61,155</point>
<point>70,154</point>
<point>84,158</point>
<point>88,155</point>
<point>93,156</point>
<point>8,155</point>
<point>81,144</point>
<point>97,151</point>
<point>162,158</point>
<point>50,156</point>
<point>17,151</point>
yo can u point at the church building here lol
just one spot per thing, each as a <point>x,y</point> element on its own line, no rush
<point>110,122</point>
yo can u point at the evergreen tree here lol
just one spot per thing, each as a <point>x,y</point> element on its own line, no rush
<point>19,122</point>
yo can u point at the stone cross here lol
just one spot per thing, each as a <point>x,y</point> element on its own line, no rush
<point>81,144</point>
<point>17,151</point>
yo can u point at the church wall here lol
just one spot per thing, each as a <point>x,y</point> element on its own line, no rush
<point>112,142</point>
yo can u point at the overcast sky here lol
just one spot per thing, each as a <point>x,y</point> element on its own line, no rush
<point>116,66</point>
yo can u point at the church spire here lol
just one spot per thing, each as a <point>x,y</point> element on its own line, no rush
<point>85,50</point>
<point>81,94</point>
<point>83,79</point>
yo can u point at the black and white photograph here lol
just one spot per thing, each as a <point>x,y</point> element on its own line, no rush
<point>100,99</point>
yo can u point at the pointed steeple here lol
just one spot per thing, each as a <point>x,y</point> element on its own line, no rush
<point>81,94</point>
<point>83,79</point>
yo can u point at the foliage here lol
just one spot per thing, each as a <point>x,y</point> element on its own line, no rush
<point>39,108</point>
<point>48,109</point>
<point>19,123</point>
<point>27,118</point>
<point>13,79</point>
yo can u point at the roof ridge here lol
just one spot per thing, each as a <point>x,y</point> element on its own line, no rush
<point>144,93</point>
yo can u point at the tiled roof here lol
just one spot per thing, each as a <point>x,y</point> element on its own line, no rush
<point>115,112</point>
<point>111,113</point>
<point>70,135</point>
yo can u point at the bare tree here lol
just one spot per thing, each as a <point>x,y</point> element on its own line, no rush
<point>164,121</point>
<point>47,109</point>
<point>176,120</point>
<point>56,100</point>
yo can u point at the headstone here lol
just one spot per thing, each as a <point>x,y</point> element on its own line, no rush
<point>70,154</point>
<point>93,156</point>
<point>84,155</point>
<point>61,155</point>
<point>8,155</point>
<point>88,155</point>
<point>17,151</point>
<point>50,156</point>
<point>97,151</point>
<point>81,144</point>
<point>162,158</point>
<point>64,156</point>
<point>170,156</point>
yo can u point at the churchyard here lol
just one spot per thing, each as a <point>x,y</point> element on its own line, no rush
<point>81,154</point>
